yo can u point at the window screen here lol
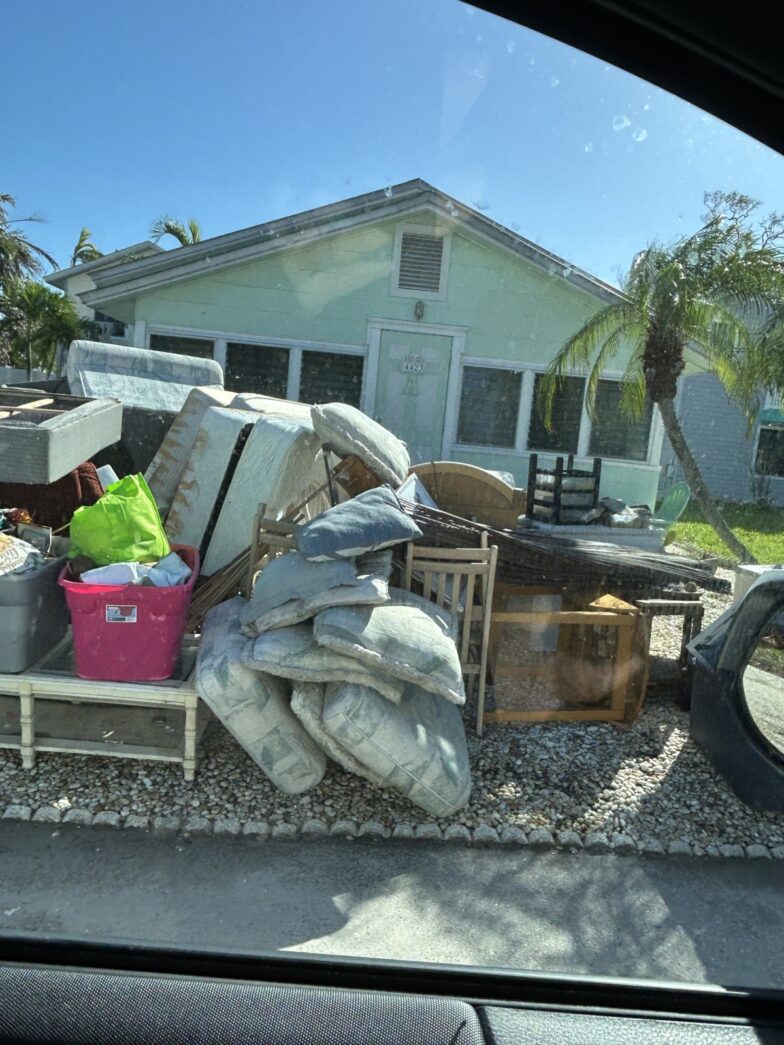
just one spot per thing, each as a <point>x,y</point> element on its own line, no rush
<point>184,346</point>
<point>257,368</point>
<point>489,402</point>
<point>613,434</point>
<point>567,413</point>
<point>770,452</point>
<point>331,377</point>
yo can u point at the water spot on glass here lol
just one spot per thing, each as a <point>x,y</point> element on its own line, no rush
<point>620,123</point>
<point>479,73</point>
<point>532,61</point>
<point>588,147</point>
<point>388,191</point>
<point>640,134</point>
<point>451,208</point>
<point>514,226</point>
<point>646,107</point>
<point>554,81</point>
<point>567,271</point>
<point>511,47</point>
<point>481,204</point>
<point>479,38</point>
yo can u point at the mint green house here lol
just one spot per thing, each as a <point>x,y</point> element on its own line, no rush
<point>429,316</point>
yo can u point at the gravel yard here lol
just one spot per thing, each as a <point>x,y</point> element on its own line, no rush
<point>645,785</point>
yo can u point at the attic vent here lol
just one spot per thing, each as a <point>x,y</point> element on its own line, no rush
<point>420,262</point>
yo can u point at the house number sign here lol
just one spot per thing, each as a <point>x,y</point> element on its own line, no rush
<point>412,366</point>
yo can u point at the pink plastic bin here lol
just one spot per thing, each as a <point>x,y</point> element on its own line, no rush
<point>129,632</point>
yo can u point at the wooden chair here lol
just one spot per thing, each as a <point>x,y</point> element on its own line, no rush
<point>269,538</point>
<point>449,577</point>
<point>562,494</point>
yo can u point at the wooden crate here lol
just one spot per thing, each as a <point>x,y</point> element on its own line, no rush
<point>593,665</point>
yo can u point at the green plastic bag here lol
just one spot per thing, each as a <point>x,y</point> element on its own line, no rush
<point>124,526</point>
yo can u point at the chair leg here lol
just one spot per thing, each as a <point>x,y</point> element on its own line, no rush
<point>480,699</point>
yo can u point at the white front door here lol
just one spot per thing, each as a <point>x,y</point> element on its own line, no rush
<point>412,385</point>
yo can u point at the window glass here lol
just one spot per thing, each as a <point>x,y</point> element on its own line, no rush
<point>613,433</point>
<point>567,412</point>
<point>184,346</point>
<point>489,403</point>
<point>770,452</point>
<point>331,377</point>
<point>257,368</point>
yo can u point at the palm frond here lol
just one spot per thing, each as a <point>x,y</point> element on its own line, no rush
<point>85,249</point>
<point>168,226</point>
<point>195,230</point>
<point>634,394</point>
<point>579,351</point>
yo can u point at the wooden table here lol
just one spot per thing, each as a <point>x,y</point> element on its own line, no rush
<point>53,680</point>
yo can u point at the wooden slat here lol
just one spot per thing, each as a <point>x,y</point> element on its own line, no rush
<point>570,715</point>
<point>563,617</point>
<point>439,566</point>
<point>467,618</point>
<point>623,669</point>
<point>450,554</point>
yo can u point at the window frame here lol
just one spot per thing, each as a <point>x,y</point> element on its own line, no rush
<point>421,230</point>
<point>296,346</point>
<point>769,476</point>
<point>525,408</point>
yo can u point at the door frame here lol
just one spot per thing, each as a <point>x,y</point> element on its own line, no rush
<point>375,328</point>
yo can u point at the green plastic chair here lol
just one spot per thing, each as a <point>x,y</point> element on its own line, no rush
<point>673,506</point>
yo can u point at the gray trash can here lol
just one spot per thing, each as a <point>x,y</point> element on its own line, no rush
<point>33,613</point>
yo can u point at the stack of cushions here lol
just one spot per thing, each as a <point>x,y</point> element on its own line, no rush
<point>375,671</point>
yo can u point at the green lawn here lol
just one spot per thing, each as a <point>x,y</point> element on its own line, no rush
<point>760,529</point>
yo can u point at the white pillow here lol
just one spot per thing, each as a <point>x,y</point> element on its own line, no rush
<point>417,747</point>
<point>291,589</point>
<point>307,703</point>
<point>293,653</point>
<point>349,431</point>
<point>408,638</point>
<point>254,707</point>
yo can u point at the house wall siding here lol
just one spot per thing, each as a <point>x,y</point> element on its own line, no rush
<point>512,311</point>
<point>327,291</point>
<point>719,437</point>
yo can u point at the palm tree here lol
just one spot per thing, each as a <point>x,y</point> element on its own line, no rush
<point>85,249</point>
<point>184,234</point>
<point>34,322</point>
<point>719,291</point>
<point>19,258</point>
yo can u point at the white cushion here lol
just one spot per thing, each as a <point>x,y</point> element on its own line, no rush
<point>290,589</point>
<point>408,638</point>
<point>307,703</point>
<point>417,747</point>
<point>254,707</point>
<point>349,431</point>
<point>293,653</point>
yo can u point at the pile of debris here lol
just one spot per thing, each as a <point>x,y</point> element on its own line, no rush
<point>313,632</point>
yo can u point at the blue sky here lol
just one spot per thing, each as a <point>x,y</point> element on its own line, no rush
<point>240,112</point>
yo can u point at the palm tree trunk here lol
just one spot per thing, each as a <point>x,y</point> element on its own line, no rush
<point>691,470</point>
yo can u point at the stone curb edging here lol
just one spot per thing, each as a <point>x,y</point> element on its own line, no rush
<point>538,838</point>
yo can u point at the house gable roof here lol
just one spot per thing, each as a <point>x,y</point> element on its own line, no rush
<point>130,278</point>
<point>116,257</point>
